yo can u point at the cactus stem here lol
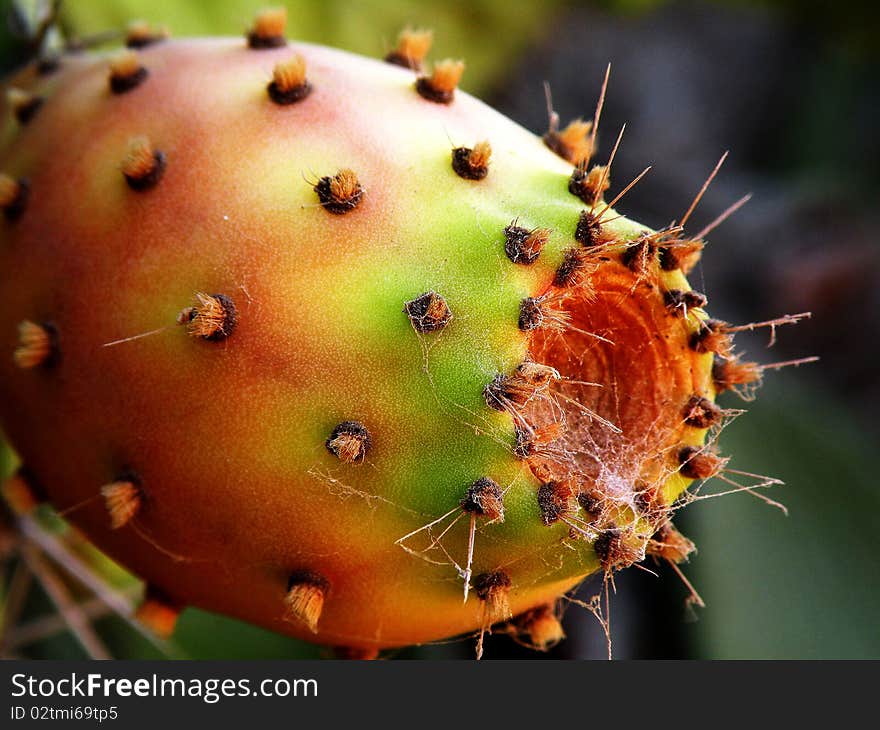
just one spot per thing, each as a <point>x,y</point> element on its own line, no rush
<point>523,246</point>
<point>472,164</point>
<point>340,193</point>
<point>23,104</point>
<point>349,442</point>
<point>268,29</point>
<point>123,498</point>
<point>289,84</point>
<point>411,49</point>
<point>440,86</point>
<point>304,601</point>
<point>143,166</point>
<point>700,412</point>
<point>213,317</point>
<point>13,196</point>
<point>140,34</point>
<point>38,345</point>
<point>428,312</point>
<point>126,72</point>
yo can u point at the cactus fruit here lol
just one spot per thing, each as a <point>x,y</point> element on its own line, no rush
<point>325,344</point>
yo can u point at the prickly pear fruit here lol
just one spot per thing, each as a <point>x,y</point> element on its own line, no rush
<point>277,346</point>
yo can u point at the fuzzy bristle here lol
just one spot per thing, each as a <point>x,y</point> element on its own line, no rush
<point>523,246</point>
<point>428,312</point>
<point>513,391</point>
<point>618,549</point>
<point>712,336</point>
<point>668,543</point>
<point>556,500</point>
<point>441,84</point>
<point>699,462</point>
<point>734,374</point>
<point>304,601</point>
<point>140,159</point>
<point>123,500</point>
<point>484,499</point>
<point>575,269</point>
<point>480,154</point>
<point>126,72</point>
<point>142,166</point>
<point>680,301</point>
<point>341,193</point>
<point>412,48</point>
<point>290,74</point>
<point>472,163</point>
<point>349,442</point>
<point>213,317</point>
<point>538,629</point>
<point>36,345</point>
<point>125,63</point>
<point>589,186</point>
<point>140,34</point>
<point>268,28</point>
<point>546,311</point>
<point>588,231</point>
<point>574,143</point>
<point>493,589</point>
<point>682,255</point>
<point>640,255</point>
<point>23,104</point>
<point>345,185</point>
<point>289,84</point>
<point>701,412</point>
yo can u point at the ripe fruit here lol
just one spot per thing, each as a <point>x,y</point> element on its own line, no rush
<point>280,348</point>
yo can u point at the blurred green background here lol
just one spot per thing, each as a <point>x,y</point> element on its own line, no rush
<point>792,90</point>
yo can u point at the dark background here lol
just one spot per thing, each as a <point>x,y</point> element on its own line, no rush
<point>791,89</point>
